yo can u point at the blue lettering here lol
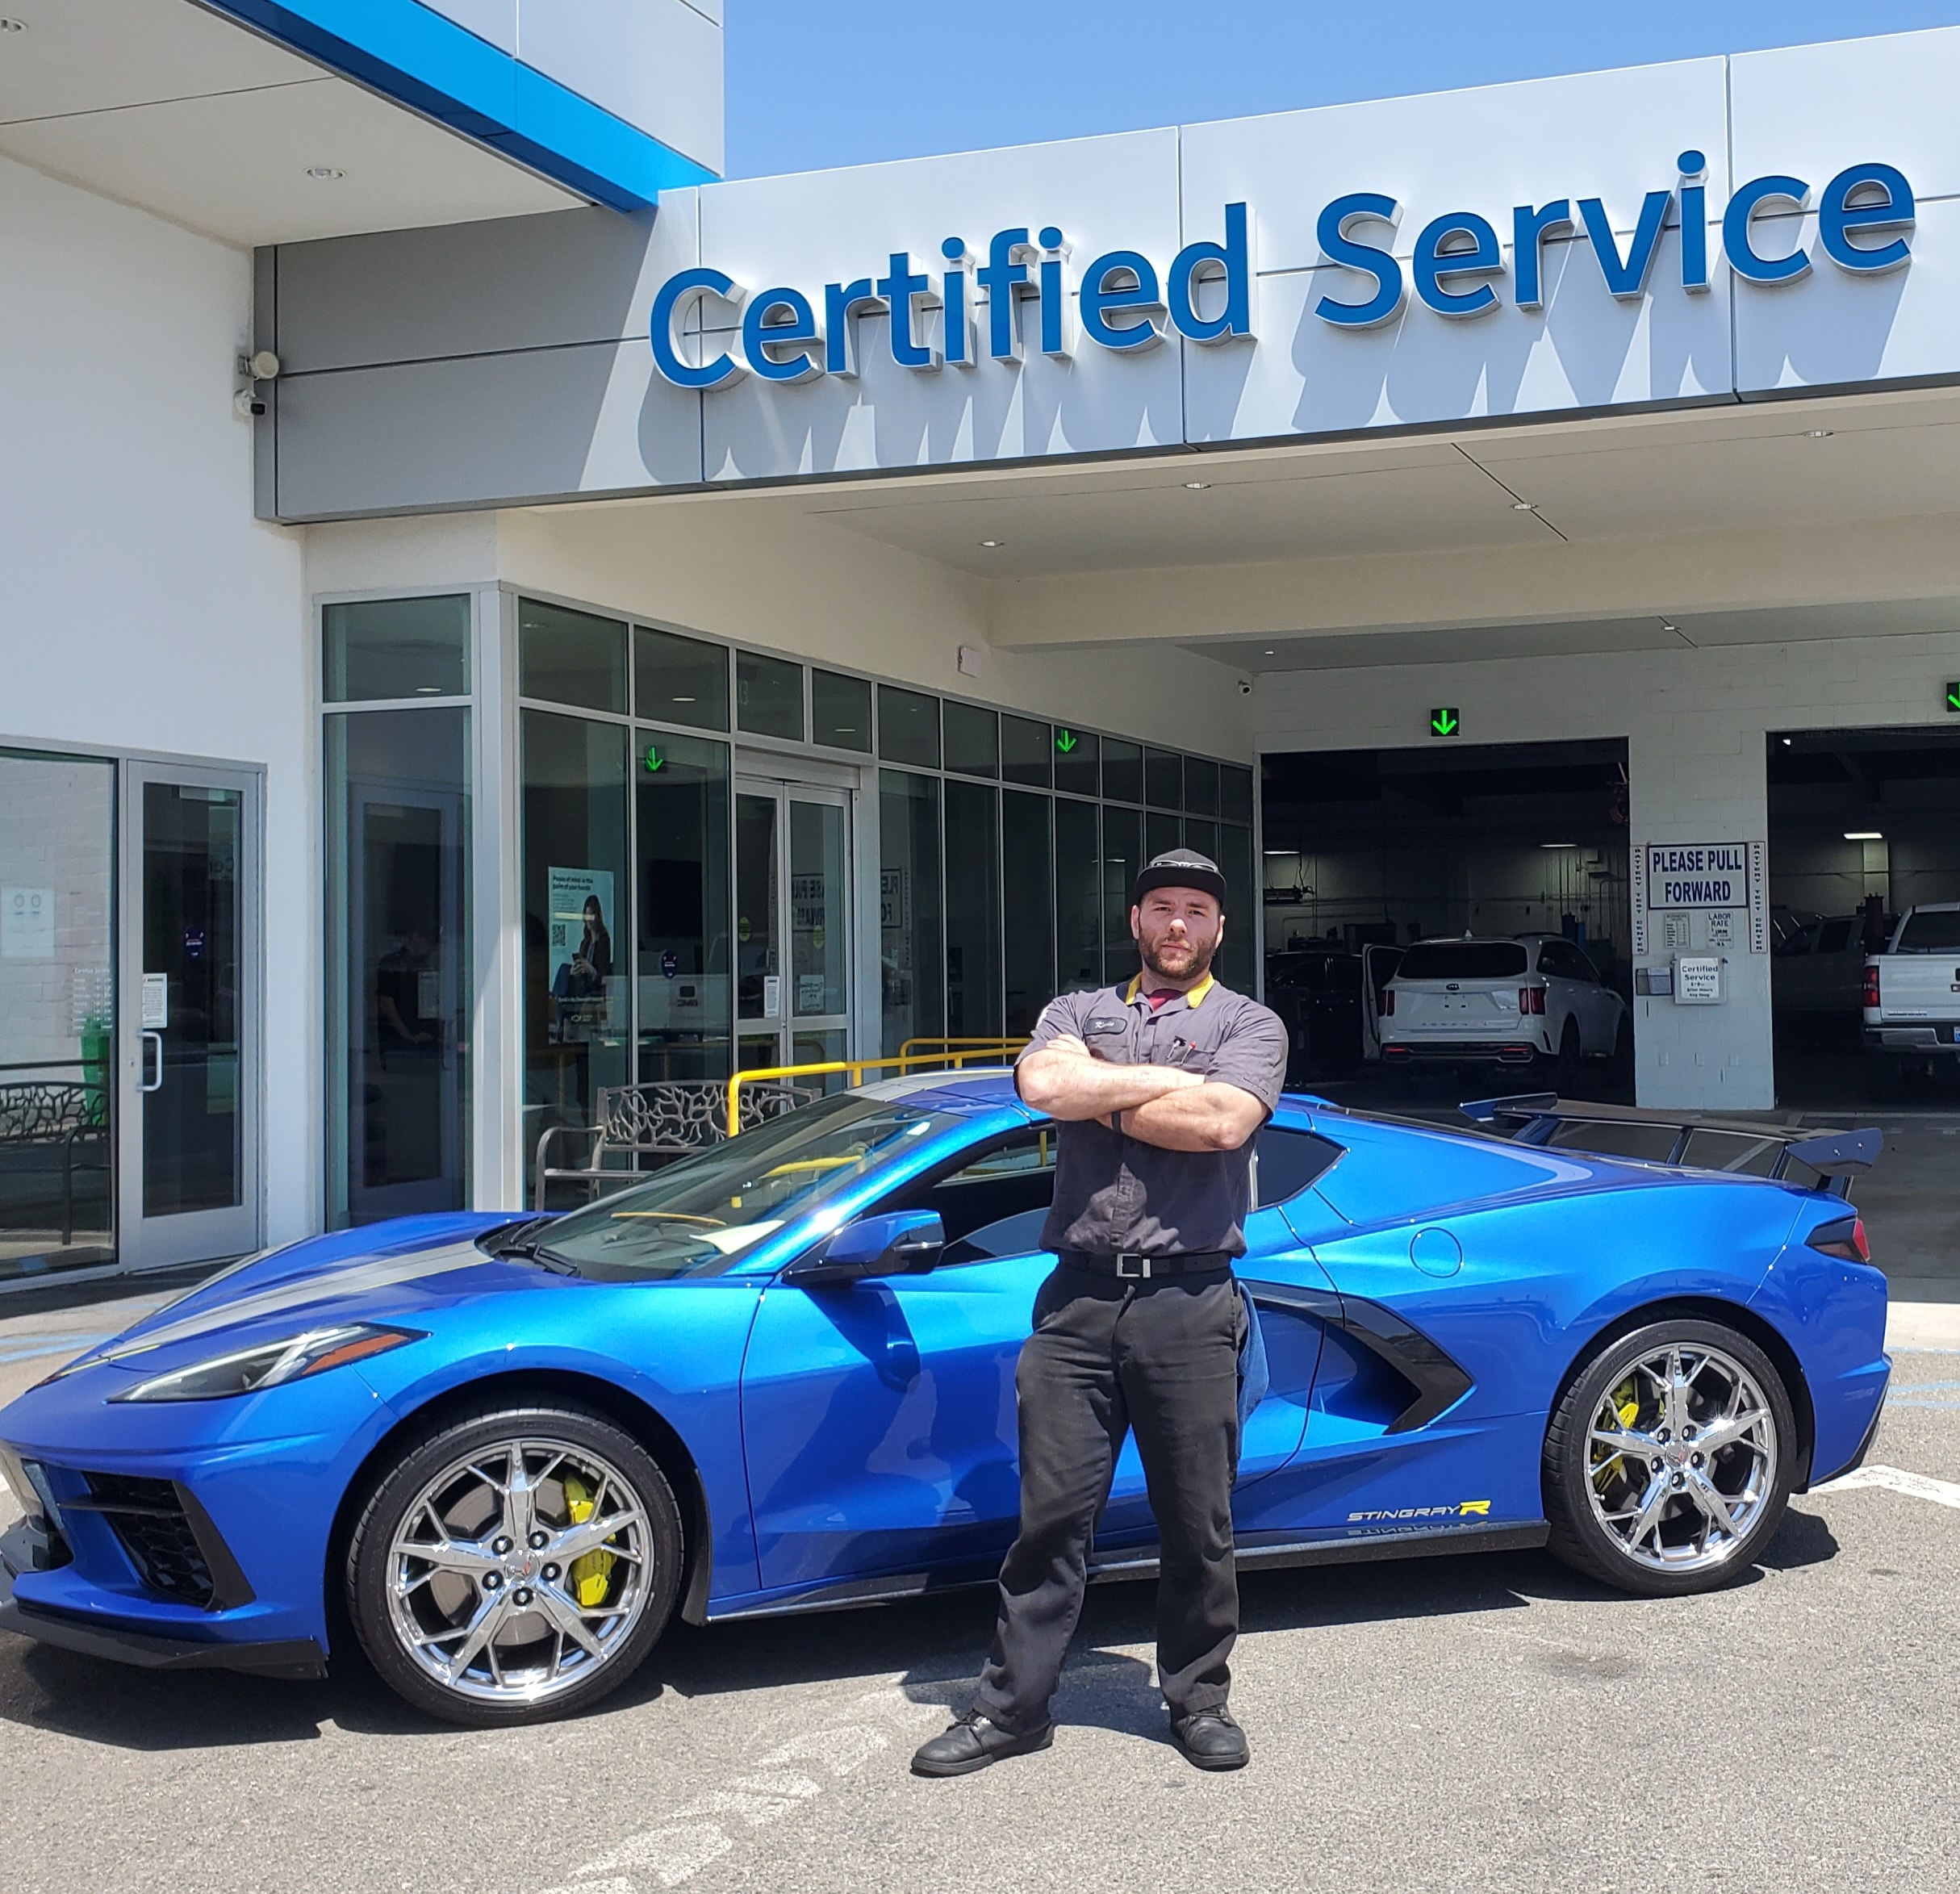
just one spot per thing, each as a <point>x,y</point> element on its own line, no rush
<point>1893,210</point>
<point>1529,229</point>
<point>1626,279</point>
<point>1121,280</point>
<point>1360,206</point>
<point>1201,262</point>
<point>1435,265</point>
<point>1055,323</point>
<point>1694,166</point>
<point>796,331</point>
<point>1005,277</point>
<point>675,294</point>
<point>1743,205</point>
<point>955,290</point>
<point>842,304</point>
<point>902,290</point>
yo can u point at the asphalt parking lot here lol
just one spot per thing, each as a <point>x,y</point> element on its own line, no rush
<point>1463,1723</point>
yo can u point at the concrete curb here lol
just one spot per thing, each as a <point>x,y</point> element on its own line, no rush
<point>1923,1325</point>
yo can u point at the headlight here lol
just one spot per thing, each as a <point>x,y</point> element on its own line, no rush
<point>272,1363</point>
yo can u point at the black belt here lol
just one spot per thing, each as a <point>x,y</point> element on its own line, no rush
<point>1129,1266</point>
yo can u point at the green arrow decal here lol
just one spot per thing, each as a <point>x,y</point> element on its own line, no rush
<point>1445,723</point>
<point>1066,741</point>
<point>653,759</point>
<point>1953,696</point>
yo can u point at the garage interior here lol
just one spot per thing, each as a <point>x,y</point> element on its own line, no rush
<point>1378,848</point>
<point>1864,825</point>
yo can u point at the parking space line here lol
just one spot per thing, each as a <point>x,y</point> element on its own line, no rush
<point>683,1841</point>
<point>1915,1486</point>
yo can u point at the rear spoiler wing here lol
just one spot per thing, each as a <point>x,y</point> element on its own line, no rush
<point>1533,1117</point>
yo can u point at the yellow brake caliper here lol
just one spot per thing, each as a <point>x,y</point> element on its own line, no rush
<point>591,1572</point>
<point>1627,1404</point>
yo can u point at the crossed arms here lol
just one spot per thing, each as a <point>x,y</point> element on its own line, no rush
<point>1161,1105</point>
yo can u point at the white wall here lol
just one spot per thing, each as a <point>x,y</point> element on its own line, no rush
<point>1695,723</point>
<point>143,607</point>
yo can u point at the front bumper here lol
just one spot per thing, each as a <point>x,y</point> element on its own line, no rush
<point>27,1547</point>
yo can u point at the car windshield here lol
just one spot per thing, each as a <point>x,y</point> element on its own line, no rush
<point>696,1216</point>
<point>1463,959</point>
<point>1932,931</point>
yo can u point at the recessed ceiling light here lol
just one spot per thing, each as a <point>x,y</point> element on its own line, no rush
<point>1270,651</point>
<point>1197,486</point>
<point>1669,624</point>
<point>1282,852</point>
<point>1819,434</point>
<point>1522,506</point>
<point>1863,836</point>
<point>325,173</point>
<point>993,545</point>
<point>1558,844</point>
<point>1788,740</point>
<point>13,26</point>
<point>683,700</point>
<point>428,690</point>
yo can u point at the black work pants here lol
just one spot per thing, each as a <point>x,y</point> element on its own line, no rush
<point>1161,1356</point>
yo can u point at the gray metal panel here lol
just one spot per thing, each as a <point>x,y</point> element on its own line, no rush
<point>471,289</point>
<point>265,427</point>
<point>482,430</point>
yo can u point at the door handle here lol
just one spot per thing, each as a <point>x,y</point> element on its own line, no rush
<point>146,1083</point>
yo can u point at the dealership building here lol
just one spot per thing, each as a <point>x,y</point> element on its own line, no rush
<point>496,614</point>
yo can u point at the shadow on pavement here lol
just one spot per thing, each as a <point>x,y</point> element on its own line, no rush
<point>934,1646</point>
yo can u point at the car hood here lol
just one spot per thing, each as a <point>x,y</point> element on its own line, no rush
<point>388,1272</point>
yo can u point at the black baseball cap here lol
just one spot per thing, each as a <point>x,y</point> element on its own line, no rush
<point>1180,868</point>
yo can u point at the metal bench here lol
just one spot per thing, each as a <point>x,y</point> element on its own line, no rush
<point>54,1116</point>
<point>663,1120</point>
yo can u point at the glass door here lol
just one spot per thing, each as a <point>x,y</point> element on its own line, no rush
<point>792,933</point>
<point>189,1055</point>
<point>57,1012</point>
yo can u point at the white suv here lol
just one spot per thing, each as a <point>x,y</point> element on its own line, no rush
<point>1520,1001</point>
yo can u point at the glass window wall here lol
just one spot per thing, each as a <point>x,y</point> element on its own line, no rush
<point>57,1012</point>
<point>567,657</point>
<point>912,999</point>
<point>768,696</point>
<point>677,679</point>
<point>840,711</point>
<point>907,727</point>
<point>1077,764</point>
<point>1027,907</point>
<point>382,648</point>
<point>574,773</point>
<point>1078,897</point>
<point>973,996</point>
<point>681,938</point>
<point>399,992</point>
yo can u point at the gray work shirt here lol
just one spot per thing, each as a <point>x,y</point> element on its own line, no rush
<point>1114,1194</point>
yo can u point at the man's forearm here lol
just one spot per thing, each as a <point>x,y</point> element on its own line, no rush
<point>1071,1086</point>
<point>1205,1117</point>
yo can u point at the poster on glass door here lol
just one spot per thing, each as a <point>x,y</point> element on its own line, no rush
<point>580,945</point>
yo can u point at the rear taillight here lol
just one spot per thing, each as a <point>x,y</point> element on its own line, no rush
<point>1531,999</point>
<point>1871,985</point>
<point>1844,1239</point>
<point>1387,1002</point>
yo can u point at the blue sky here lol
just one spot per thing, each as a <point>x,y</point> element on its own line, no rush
<point>814,86</point>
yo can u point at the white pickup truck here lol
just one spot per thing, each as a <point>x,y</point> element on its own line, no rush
<point>1913,1001</point>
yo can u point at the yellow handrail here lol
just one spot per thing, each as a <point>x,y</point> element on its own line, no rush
<point>857,1068</point>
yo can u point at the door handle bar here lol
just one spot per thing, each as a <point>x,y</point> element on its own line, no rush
<point>147,1083</point>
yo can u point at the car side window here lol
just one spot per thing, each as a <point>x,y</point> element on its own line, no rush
<point>1286,1162</point>
<point>1834,937</point>
<point>992,1201</point>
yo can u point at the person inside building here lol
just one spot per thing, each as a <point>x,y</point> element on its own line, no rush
<point>1158,1084</point>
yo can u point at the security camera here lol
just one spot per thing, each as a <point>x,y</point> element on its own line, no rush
<point>1245,687</point>
<point>264,366</point>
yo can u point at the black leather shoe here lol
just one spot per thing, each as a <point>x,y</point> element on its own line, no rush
<point>972,1743</point>
<point>1210,1740</point>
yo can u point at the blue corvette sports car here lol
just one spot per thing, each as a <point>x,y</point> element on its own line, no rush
<point>779,1375</point>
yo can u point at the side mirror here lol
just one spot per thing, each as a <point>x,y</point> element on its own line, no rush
<point>905,1242</point>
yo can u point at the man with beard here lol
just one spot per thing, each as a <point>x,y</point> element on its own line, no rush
<point>1158,1084</point>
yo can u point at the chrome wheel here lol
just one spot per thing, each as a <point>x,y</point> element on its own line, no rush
<point>1681,1458</point>
<point>520,1571</point>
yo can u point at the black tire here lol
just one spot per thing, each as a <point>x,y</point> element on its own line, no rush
<point>1622,1049</point>
<point>1580,1538</point>
<point>1885,1078</point>
<point>368,1577</point>
<point>1562,1071</point>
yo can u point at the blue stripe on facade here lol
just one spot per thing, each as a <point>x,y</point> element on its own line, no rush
<point>425,62</point>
